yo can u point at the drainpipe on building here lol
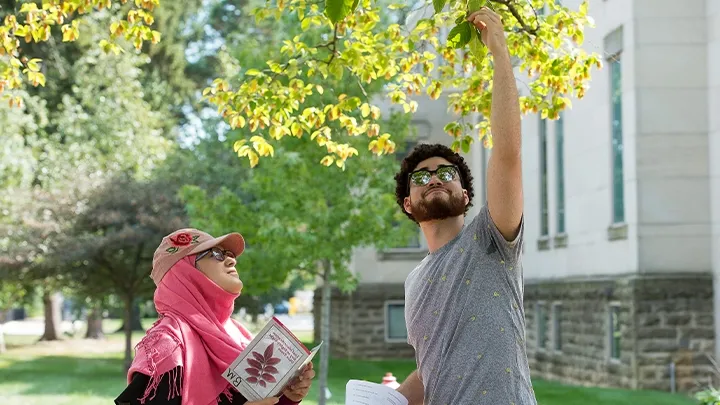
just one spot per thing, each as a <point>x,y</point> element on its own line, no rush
<point>673,388</point>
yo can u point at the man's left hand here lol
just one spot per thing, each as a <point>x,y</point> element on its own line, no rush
<point>491,29</point>
<point>299,388</point>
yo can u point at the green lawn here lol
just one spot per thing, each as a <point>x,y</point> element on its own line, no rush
<point>77,372</point>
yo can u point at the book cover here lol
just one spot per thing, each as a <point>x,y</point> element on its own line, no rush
<point>273,359</point>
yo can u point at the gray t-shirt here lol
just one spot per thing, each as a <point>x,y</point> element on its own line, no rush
<point>465,319</point>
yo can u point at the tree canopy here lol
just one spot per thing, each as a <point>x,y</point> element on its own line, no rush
<point>33,23</point>
<point>418,48</point>
<point>345,39</point>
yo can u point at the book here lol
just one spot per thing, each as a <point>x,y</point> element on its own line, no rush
<point>272,360</point>
<point>358,392</point>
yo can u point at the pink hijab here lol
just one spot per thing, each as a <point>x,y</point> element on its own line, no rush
<point>191,333</point>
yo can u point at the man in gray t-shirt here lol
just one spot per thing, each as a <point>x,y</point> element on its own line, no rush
<point>464,312</point>
<point>464,301</point>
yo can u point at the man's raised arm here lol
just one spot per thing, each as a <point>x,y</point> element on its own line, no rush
<point>504,179</point>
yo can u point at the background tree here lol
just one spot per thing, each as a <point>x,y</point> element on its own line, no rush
<point>347,40</point>
<point>11,294</point>
<point>110,247</point>
<point>33,219</point>
<point>86,138</point>
<point>88,123</point>
<point>298,215</point>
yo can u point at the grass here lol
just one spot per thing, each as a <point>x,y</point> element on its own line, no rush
<point>79,372</point>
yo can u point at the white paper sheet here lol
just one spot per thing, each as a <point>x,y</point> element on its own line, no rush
<point>359,392</point>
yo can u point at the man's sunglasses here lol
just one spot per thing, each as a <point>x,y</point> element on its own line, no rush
<point>217,253</point>
<point>444,173</point>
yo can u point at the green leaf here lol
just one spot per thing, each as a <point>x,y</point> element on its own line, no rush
<point>455,146</point>
<point>336,69</point>
<point>475,5</point>
<point>467,140</point>
<point>337,10</point>
<point>424,24</point>
<point>460,35</point>
<point>439,5</point>
<point>583,9</point>
<point>478,51</point>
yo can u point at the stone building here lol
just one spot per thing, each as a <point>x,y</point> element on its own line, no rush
<point>622,205</point>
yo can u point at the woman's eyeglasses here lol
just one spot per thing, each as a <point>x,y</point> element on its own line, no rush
<point>217,254</point>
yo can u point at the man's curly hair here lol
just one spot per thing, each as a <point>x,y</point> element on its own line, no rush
<point>426,151</point>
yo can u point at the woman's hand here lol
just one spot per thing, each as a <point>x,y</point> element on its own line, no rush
<point>266,401</point>
<point>299,388</point>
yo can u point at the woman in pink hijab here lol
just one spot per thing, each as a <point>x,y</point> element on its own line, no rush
<point>181,359</point>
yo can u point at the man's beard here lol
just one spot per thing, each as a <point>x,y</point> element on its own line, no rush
<point>438,207</point>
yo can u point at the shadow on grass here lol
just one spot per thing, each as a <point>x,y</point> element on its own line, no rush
<point>64,375</point>
<point>100,375</point>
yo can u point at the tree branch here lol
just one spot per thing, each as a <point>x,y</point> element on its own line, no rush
<point>513,10</point>
<point>330,45</point>
<point>362,88</point>
<point>333,47</point>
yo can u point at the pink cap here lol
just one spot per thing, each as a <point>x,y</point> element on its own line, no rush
<point>186,242</point>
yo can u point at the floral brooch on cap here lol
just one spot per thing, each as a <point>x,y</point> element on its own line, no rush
<point>181,240</point>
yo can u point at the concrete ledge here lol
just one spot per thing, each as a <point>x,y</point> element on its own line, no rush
<point>543,243</point>
<point>410,254</point>
<point>617,232</point>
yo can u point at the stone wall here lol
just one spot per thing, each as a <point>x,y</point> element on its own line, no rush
<point>662,319</point>
<point>674,324</point>
<point>583,358</point>
<point>357,323</point>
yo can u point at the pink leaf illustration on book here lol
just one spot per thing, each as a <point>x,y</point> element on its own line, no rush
<point>262,368</point>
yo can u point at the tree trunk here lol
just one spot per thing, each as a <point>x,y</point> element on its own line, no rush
<point>51,304</point>
<point>136,325</point>
<point>94,323</point>
<point>3,318</point>
<point>325,331</point>
<point>128,331</point>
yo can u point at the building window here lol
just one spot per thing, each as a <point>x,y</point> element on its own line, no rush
<point>395,328</point>
<point>544,222</point>
<point>618,184</point>
<point>541,326</point>
<point>557,334</point>
<point>615,333</point>
<point>560,173</point>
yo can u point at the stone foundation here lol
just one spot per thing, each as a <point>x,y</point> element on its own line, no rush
<point>674,324</point>
<point>662,319</point>
<point>357,323</point>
